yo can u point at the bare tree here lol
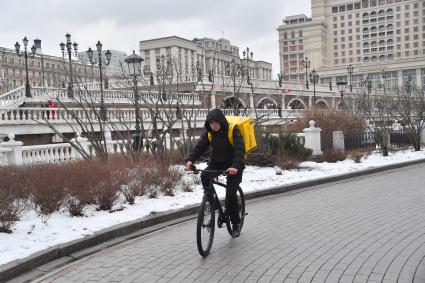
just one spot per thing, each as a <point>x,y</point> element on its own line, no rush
<point>410,111</point>
<point>377,107</point>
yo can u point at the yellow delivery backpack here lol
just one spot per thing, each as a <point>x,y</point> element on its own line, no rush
<point>246,128</point>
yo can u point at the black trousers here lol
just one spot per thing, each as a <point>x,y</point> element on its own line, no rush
<point>233,182</point>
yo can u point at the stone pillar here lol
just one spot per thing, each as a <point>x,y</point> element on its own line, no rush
<point>251,101</point>
<point>213,99</point>
<point>418,78</point>
<point>312,139</point>
<point>82,143</point>
<point>283,101</point>
<point>338,140</point>
<point>400,78</point>
<point>108,140</point>
<point>167,138</point>
<point>14,157</point>
<point>423,136</point>
<point>310,102</point>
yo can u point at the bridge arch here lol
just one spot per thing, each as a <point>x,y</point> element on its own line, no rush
<point>342,105</point>
<point>322,104</point>
<point>296,103</point>
<point>267,103</point>
<point>231,101</point>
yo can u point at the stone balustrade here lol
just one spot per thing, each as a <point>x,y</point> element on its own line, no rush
<point>12,96</point>
<point>15,153</point>
<point>34,115</point>
<point>111,96</point>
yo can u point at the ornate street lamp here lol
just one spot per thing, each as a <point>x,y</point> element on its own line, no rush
<point>134,62</point>
<point>314,79</point>
<point>350,70</point>
<point>26,54</point>
<point>306,63</point>
<point>341,87</point>
<point>248,57</point>
<point>98,60</point>
<point>68,50</point>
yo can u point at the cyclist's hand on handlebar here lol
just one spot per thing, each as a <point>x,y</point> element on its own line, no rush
<point>188,166</point>
<point>232,171</point>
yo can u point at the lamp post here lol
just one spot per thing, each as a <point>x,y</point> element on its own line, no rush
<point>314,79</point>
<point>235,72</point>
<point>280,76</point>
<point>368,85</point>
<point>409,83</point>
<point>68,50</point>
<point>148,73</point>
<point>98,60</point>
<point>134,62</point>
<point>350,70</point>
<point>247,56</point>
<point>199,71</point>
<point>341,87</point>
<point>26,54</point>
<point>306,67</point>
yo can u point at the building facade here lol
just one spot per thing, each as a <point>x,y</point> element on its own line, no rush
<point>43,70</point>
<point>190,58</point>
<point>381,39</point>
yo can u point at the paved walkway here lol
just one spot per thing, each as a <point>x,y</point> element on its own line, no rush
<point>370,229</point>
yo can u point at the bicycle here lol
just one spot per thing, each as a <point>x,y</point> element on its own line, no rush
<point>205,227</point>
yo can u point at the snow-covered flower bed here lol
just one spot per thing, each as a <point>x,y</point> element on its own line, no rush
<point>31,235</point>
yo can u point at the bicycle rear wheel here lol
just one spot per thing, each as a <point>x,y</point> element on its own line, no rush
<point>205,226</point>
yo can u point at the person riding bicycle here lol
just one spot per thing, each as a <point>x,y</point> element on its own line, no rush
<point>224,156</point>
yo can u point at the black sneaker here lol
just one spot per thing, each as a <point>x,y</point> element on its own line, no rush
<point>236,231</point>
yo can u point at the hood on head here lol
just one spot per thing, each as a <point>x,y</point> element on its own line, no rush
<point>216,115</point>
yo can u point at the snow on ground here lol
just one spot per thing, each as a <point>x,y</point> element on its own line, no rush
<point>31,235</point>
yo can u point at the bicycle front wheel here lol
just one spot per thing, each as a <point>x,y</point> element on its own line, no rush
<point>205,226</point>
<point>241,206</point>
<point>241,210</point>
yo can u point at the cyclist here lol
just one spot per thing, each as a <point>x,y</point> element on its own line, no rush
<point>224,156</point>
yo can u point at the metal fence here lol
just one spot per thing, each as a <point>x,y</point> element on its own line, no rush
<point>370,140</point>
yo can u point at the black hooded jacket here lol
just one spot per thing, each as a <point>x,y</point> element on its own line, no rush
<point>222,151</point>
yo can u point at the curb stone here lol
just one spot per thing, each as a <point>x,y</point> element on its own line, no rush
<point>65,253</point>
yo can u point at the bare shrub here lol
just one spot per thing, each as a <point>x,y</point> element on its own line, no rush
<point>105,191</point>
<point>187,186</point>
<point>287,163</point>
<point>47,187</point>
<point>331,155</point>
<point>79,187</point>
<point>12,204</point>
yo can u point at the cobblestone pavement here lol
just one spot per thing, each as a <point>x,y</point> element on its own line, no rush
<point>369,229</point>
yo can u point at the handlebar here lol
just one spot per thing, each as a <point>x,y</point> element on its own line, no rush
<point>209,172</point>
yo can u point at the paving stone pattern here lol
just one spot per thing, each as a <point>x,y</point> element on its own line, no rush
<point>370,229</point>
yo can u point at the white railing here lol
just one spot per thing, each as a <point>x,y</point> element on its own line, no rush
<point>12,96</point>
<point>114,96</point>
<point>3,154</point>
<point>47,153</point>
<point>33,115</point>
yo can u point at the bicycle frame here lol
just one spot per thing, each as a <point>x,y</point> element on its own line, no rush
<point>222,216</point>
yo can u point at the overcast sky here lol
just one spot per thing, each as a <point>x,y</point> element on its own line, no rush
<point>121,24</point>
